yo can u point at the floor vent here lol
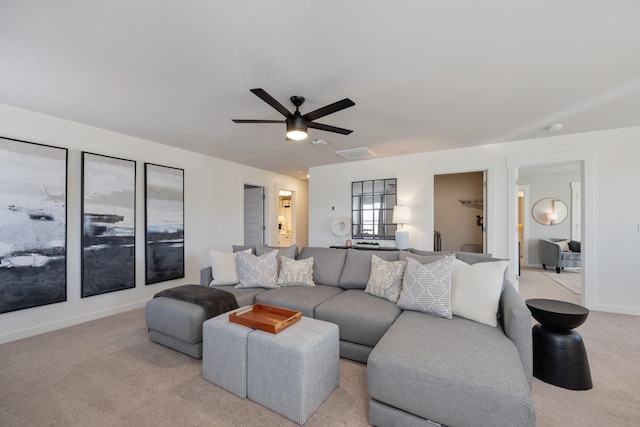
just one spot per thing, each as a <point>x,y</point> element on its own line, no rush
<point>356,153</point>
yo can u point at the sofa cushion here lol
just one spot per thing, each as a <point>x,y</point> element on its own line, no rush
<point>257,271</point>
<point>429,253</point>
<point>300,298</point>
<point>240,248</point>
<point>289,251</point>
<point>296,272</point>
<point>454,372</point>
<point>427,288</point>
<point>422,259</point>
<point>357,266</point>
<point>476,289</point>
<point>362,318</point>
<point>385,278</point>
<point>327,264</point>
<point>244,296</point>
<point>472,257</point>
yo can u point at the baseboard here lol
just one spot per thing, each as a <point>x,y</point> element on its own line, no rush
<point>615,309</point>
<point>71,321</point>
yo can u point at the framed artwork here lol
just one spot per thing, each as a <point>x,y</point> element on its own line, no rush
<point>33,225</point>
<point>164,223</point>
<point>108,224</point>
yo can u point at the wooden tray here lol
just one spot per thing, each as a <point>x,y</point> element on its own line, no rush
<point>267,318</point>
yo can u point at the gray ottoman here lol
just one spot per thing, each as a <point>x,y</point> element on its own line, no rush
<point>176,324</point>
<point>224,356</point>
<point>294,371</point>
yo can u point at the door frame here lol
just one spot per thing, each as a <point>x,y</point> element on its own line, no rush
<point>490,209</point>
<point>268,206</point>
<point>586,160</point>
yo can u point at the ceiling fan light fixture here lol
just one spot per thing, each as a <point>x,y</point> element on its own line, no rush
<point>296,128</point>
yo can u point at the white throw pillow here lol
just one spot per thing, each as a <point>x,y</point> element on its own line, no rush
<point>476,289</point>
<point>224,267</point>
<point>296,273</point>
<point>385,278</point>
<point>564,245</point>
<point>258,272</point>
<point>427,288</point>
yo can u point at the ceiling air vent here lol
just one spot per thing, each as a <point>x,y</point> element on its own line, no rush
<point>356,153</point>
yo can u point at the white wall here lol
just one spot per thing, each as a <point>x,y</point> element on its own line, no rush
<point>213,213</point>
<point>611,208</point>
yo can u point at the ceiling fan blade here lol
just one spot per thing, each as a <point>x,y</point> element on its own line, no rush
<point>329,128</point>
<point>329,109</point>
<point>262,94</point>
<point>257,121</point>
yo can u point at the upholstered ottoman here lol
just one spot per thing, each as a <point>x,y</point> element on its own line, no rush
<point>294,371</point>
<point>224,355</point>
<point>175,315</point>
<point>176,324</point>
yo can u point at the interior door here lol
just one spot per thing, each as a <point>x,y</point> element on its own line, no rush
<point>254,224</point>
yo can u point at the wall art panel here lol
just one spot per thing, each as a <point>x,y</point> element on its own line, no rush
<point>33,225</point>
<point>164,225</point>
<point>108,226</point>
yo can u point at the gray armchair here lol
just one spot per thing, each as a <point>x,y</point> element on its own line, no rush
<point>551,254</point>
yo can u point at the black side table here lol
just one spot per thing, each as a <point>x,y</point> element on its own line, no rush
<point>559,355</point>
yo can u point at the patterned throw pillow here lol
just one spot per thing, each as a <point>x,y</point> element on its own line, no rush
<point>296,273</point>
<point>385,279</point>
<point>427,288</point>
<point>258,272</point>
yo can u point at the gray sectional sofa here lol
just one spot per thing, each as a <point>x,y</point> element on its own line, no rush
<point>421,368</point>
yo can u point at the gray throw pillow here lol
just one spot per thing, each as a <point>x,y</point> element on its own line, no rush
<point>427,288</point>
<point>385,279</point>
<point>258,272</point>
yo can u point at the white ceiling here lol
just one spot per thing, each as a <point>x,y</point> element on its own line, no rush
<point>425,75</point>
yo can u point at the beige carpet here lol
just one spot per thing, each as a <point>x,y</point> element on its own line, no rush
<point>571,280</point>
<point>108,373</point>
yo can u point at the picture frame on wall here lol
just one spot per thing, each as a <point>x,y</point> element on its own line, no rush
<point>33,224</point>
<point>164,223</point>
<point>108,224</point>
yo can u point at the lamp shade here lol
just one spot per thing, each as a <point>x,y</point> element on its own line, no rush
<point>401,215</point>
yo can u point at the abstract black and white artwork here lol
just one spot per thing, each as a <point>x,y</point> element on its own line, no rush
<point>33,225</point>
<point>108,224</point>
<point>164,225</point>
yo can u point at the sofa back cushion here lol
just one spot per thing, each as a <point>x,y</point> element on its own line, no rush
<point>327,264</point>
<point>357,267</point>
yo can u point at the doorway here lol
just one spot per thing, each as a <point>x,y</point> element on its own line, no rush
<point>459,212</point>
<point>557,181</point>
<point>254,215</point>
<point>286,219</point>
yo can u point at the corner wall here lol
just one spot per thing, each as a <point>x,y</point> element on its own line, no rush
<point>213,214</point>
<point>611,219</point>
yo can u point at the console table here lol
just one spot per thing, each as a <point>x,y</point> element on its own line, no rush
<point>559,355</point>
<point>366,247</point>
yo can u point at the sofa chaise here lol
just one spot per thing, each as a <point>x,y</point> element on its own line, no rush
<point>422,368</point>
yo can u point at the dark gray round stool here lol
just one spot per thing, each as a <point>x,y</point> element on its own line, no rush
<point>559,355</point>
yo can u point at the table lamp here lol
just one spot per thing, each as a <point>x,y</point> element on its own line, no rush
<point>401,215</point>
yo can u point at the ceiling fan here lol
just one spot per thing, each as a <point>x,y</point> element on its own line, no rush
<point>297,123</point>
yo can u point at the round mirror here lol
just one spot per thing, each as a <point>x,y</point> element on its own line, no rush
<point>549,211</point>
